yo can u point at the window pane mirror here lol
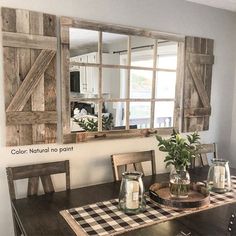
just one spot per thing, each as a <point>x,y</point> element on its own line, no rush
<point>117,81</point>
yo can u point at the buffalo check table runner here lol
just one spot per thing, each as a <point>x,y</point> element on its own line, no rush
<point>104,218</point>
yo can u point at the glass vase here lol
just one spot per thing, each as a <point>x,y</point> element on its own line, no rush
<point>179,183</point>
<point>218,179</point>
<point>131,197</point>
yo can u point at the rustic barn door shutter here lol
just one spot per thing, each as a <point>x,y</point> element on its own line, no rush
<point>29,49</point>
<point>197,84</point>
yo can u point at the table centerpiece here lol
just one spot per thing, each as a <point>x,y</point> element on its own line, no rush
<point>180,153</point>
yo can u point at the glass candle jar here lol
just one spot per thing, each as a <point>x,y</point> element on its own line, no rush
<point>131,197</point>
<point>218,179</point>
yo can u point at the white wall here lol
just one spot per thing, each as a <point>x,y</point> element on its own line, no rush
<point>90,162</point>
<point>232,147</point>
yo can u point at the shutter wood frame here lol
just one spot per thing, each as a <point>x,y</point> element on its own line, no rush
<point>29,47</point>
<point>199,60</point>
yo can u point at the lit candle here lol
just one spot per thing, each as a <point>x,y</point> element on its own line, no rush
<point>219,177</point>
<point>132,195</point>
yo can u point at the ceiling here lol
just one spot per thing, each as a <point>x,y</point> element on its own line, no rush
<point>223,4</point>
<point>79,37</point>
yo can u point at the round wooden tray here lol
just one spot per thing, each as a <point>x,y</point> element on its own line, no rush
<point>198,196</point>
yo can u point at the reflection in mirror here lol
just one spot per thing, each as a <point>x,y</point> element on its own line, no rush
<point>114,116</point>
<point>114,83</point>
<point>84,82</point>
<point>165,86</point>
<point>164,112</point>
<point>140,83</point>
<point>142,51</point>
<point>83,42</point>
<point>140,113</point>
<point>84,116</point>
<point>114,47</point>
<point>167,54</point>
<point>118,75</point>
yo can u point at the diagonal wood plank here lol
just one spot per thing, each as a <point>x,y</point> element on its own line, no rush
<point>199,85</point>
<point>31,80</point>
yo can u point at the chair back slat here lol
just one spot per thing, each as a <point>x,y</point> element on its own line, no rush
<point>47,184</point>
<point>132,161</point>
<point>34,172</point>
<point>205,149</point>
<point>138,167</point>
<point>67,172</point>
<point>33,186</point>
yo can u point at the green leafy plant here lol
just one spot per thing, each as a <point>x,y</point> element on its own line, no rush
<point>180,150</point>
<point>91,124</point>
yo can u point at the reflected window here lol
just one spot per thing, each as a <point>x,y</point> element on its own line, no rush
<point>120,82</point>
<point>140,114</point>
<point>140,84</point>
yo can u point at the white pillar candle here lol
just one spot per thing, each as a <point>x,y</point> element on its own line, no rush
<point>219,177</point>
<point>132,195</point>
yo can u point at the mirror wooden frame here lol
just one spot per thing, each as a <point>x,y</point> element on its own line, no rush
<point>65,24</point>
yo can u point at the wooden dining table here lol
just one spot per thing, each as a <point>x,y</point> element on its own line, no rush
<point>39,215</point>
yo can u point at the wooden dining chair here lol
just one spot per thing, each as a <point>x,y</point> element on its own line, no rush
<point>132,161</point>
<point>204,150</point>
<point>34,173</point>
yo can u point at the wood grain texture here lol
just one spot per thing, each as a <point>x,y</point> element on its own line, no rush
<point>65,24</point>
<point>8,19</point>
<point>134,158</point>
<point>197,84</point>
<point>39,215</point>
<point>116,134</point>
<point>33,186</point>
<point>11,72</point>
<point>37,97</point>
<point>202,159</point>
<point>24,33</point>
<point>154,82</point>
<point>47,184</point>
<point>33,172</point>
<point>198,196</point>
<point>31,81</point>
<point>179,87</point>
<point>31,117</point>
<point>193,112</point>
<point>65,82</point>
<point>50,28</point>
<point>18,40</point>
<point>100,81</point>
<point>200,58</point>
<point>76,63</point>
<point>92,25</point>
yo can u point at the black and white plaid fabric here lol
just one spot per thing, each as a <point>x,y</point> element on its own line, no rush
<point>104,218</point>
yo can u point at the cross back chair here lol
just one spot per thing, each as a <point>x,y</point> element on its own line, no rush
<point>34,173</point>
<point>203,151</point>
<point>132,161</point>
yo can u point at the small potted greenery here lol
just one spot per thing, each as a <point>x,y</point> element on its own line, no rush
<point>180,153</point>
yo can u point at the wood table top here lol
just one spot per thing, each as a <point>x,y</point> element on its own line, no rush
<point>39,215</point>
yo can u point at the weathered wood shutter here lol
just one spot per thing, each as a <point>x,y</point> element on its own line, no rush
<point>197,84</point>
<point>29,49</point>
